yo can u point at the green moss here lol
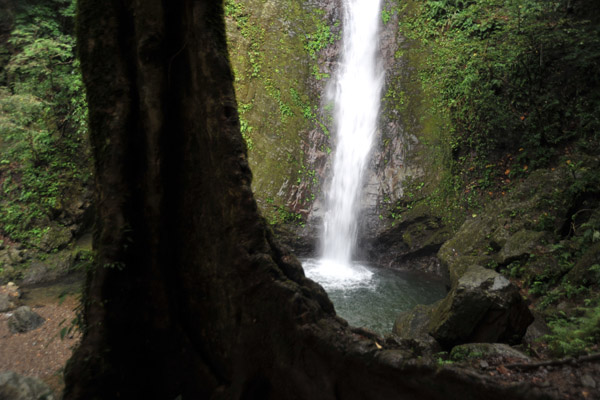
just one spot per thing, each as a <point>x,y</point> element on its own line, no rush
<point>273,46</point>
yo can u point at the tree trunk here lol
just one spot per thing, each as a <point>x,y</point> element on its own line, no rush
<point>191,296</point>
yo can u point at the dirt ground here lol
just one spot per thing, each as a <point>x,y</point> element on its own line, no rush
<point>41,353</point>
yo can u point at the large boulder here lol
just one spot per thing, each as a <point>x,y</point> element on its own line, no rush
<point>16,387</point>
<point>24,319</point>
<point>483,306</point>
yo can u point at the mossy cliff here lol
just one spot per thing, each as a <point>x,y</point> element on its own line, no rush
<point>282,54</point>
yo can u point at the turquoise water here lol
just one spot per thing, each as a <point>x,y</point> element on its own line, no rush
<point>373,297</point>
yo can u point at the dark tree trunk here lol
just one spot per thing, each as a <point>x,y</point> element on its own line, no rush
<point>191,296</point>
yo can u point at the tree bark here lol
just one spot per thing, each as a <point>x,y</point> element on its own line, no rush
<point>191,296</point>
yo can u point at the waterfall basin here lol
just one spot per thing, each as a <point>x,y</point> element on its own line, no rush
<point>372,297</point>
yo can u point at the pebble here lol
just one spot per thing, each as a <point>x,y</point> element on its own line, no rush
<point>588,381</point>
<point>483,364</point>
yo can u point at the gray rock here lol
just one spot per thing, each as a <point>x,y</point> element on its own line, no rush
<point>5,303</point>
<point>480,350</point>
<point>9,294</point>
<point>24,320</point>
<point>17,387</point>
<point>519,245</point>
<point>50,269</point>
<point>55,238</point>
<point>588,381</point>
<point>483,307</point>
<point>536,330</point>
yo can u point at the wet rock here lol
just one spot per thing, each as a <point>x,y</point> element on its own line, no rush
<point>482,350</point>
<point>17,387</point>
<point>483,307</point>
<point>24,320</point>
<point>303,241</point>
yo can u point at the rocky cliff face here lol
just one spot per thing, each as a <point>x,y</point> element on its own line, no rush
<point>285,55</point>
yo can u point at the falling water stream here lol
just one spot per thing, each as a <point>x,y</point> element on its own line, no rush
<point>357,98</point>
<point>353,285</point>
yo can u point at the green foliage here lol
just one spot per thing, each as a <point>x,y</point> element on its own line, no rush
<point>509,76</point>
<point>245,127</point>
<point>574,335</point>
<point>43,116</point>
<point>252,32</point>
<point>285,216</point>
<point>321,38</point>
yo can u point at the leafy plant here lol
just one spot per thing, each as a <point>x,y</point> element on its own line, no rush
<point>515,77</point>
<point>575,335</point>
<point>43,121</point>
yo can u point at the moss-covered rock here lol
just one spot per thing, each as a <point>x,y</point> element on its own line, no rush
<point>512,227</point>
<point>484,350</point>
<point>483,306</point>
<point>519,246</point>
<point>414,324</point>
<point>587,269</point>
<point>55,237</point>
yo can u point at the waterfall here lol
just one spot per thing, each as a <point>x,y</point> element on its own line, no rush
<point>357,96</point>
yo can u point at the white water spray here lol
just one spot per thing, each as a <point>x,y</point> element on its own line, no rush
<point>357,98</point>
